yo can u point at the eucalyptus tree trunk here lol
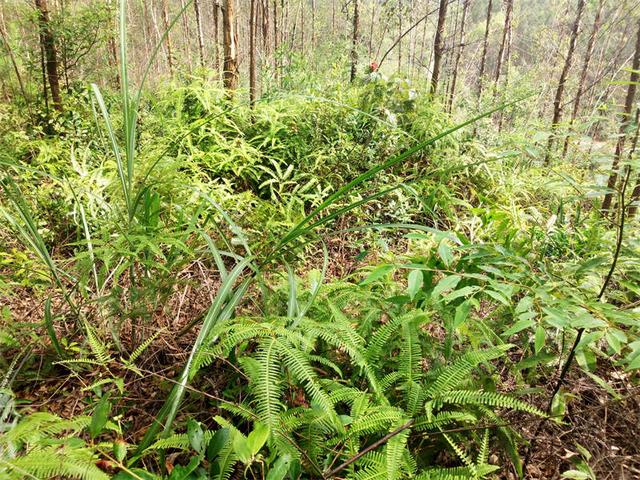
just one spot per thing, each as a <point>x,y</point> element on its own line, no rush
<point>438,46</point>
<point>50,55</point>
<point>167,38</point>
<point>635,195</point>
<point>583,74</point>
<point>187,34</point>
<point>625,120</point>
<point>216,34</point>
<point>557,102</point>
<point>275,40</point>
<point>505,33</point>
<point>264,8</point>
<point>485,46</point>
<point>456,65</point>
<point>354,41</point>
<point>230,73</point>
<point>196,8</point>
<point>252,52</point>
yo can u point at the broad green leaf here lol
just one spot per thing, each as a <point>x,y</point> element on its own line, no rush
<point>119,450</point>
<point>414,283</point>
<point>463,292</point>
<point>280,468</point>
<point>377,273</point>
<point>242,448</point>
<point>258,437</point>
<point>100,416</point>
<point>498,296</point>
<point>576,475</point>
<point>217,442</point>
<point>462,313</point>
<point>539,338</point>
<point>444,251</point>
<point>446,284</point>
<point>195,435</point>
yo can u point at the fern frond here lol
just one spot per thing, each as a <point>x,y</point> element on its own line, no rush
<point>395,449</point>
<point>381,337</point>
<point>451,376</point>
<point>50,462</point>
<point>494,399</point>
<point>267,386</point>
<point>100,350</point>
<point>141,348</point>
<point>299,366</point>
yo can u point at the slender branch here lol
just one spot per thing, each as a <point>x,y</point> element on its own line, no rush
<point>406,32</point>
<point>373,446</point>
<point>574,347</point>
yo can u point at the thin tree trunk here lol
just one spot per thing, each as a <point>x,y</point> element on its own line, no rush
<point>266,45</point>
<point>275,39</point>
<point>14,64</point>
<point>216,35</point>
<point>465,8</point>
<point>485,46</point>
<point>438,46</point>
<point>506,74</point>
<point>43,71</point>
<point>230,74</point>
<point>374,10</point>
<point>501,52</point>
<point>583,74</point>
<point>557,102</point>
<point>252,52</point>
<point>165,26</point>
<point>156,29</point>
<point>187,34</point>
<point>354,41</point>
<point>113,51</point>
<point>196,8</point>
<point>624,123</point>
<point>49,48</point>
<point>635,195</point>
<point>302,17</point>
<point>313,24</point>
<point>449,58</point>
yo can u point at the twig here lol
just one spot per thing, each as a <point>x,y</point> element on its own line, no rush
<point>373,446</point>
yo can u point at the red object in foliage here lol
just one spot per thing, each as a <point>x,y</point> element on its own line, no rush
<point>373,66</point>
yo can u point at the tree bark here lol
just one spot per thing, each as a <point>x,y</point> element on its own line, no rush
<point>196,8</point>
<point>51,58</point>
<point>252,52</point>
<point>438,46</point>
<point>583,74</point>
<point>230,74</point>
<point>635,195</point>
<point>557,102</point>
<point>275,41</point>
<point>165,26</point>
<point>216,34</point>
<point>456,65</point>
<point>624,123</point>
<point>485,46</point>
<point>187,34</point>
<point>354,41</point>
<point>501,52</point>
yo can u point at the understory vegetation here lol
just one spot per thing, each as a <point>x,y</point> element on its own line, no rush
<point>336,280</point>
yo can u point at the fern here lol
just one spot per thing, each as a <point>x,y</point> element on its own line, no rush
<point>395,450</point>
<point>494,399</point>
<point>267,387</point>
<point>450,376</point>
